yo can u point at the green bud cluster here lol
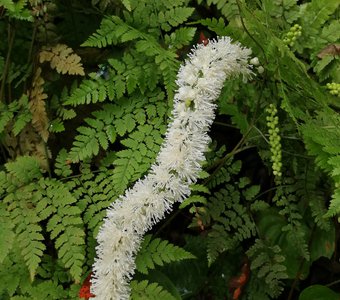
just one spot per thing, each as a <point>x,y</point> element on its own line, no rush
<point>274,141</point>
<point>293,33</point>
<point>334,88</point>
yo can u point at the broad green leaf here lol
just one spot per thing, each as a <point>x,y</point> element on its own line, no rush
<point>318,292</point>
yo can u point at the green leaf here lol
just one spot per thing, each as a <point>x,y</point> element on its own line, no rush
<point>56,126</point>
<point>323,243</point>
<point>318,292</point>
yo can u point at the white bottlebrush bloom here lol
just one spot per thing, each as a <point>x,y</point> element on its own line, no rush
<point>200,80</point>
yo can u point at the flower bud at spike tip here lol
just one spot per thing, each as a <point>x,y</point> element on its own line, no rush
<point>255,61</point>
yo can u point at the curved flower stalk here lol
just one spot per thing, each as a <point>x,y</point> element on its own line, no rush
<point>177,165</point>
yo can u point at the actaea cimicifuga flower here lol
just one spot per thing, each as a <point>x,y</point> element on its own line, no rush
<point>200,80</point>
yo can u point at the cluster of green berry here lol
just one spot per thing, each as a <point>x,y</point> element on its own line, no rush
<point>293,33</point>
<point>334,88</point>
<point>274,141</point>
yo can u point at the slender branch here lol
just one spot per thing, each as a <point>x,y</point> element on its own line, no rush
<point>219,163</point>
<point>11,34</point>
<point>249,34</point>
<point>226,125</point>
<point>333,283</point>
<point>30,52</point>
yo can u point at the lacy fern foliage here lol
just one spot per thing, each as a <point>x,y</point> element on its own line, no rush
<point>266,263</point>
<point>84,107</point>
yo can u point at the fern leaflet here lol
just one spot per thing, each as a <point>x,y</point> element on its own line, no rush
<point>158,252</point>
<point>149,291</point>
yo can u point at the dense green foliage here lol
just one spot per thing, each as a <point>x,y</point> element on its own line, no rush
<point>86,92</point>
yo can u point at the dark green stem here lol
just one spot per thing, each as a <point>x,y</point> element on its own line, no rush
<point>11,34</point>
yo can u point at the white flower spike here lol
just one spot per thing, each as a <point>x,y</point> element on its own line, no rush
<point>200,80</point>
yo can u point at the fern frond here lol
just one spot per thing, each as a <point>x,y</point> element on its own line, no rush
<point>23,170</point>
<point>266,263</point>
<point>114,29</point>
<point>174,16</point>
<point>326,67</point>
<point>25,218</point>
<point>118,120</point>
<point>165,60</point>
<point>219,241</point>
<point>18,10</point>
<point>131,163</point>
<point>65,227</point>
<point>158,252</point>
<point>7,114</point>
<point>111,30</point>
<point>232,223</point>
<point>89,91</point>
<point>321,137</point>
<point>62,59</point>
<point>331,32</point>
<point>85,145</point>
<point>316,13</point>
<point>308,191</point>
<point>104,36</point>
<point>7,234</point>
<point>30,240</point>
<point>99,133</point>
<point>216,25</point>
<point>180,37</point>
<point>37,106</point>
<point>95,194</point>
<point>287,201</point>
<point>132,71</point>
<point>15,115</point>
<point>226,218</point>
<point>151,291</point>
<point>62,165</point>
